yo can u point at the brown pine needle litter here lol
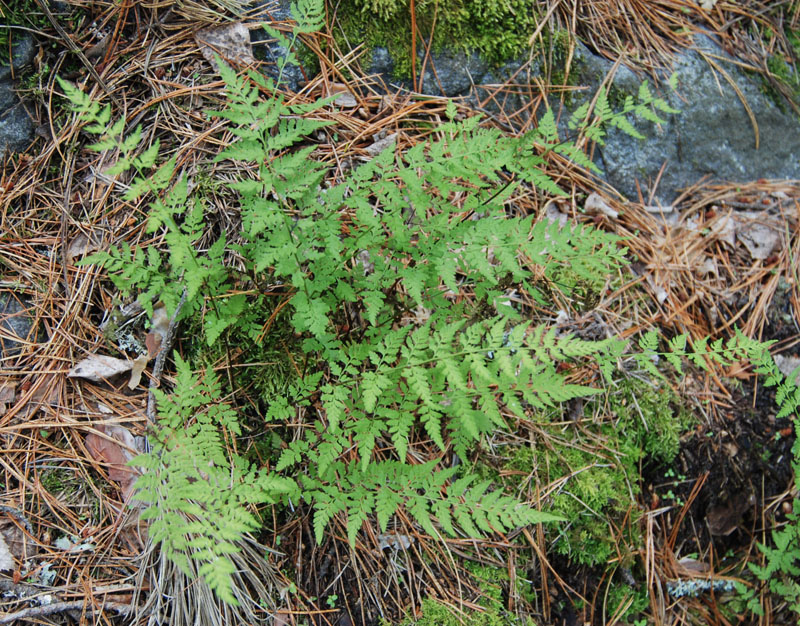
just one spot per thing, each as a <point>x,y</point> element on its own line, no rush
<point>82,554</point>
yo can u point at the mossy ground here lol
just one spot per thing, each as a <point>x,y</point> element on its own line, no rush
<point>497,29</point>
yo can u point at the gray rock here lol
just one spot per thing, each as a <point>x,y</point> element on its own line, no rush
<point>712,136</point>
<point>14,322</point>
<point>16,126</point>
<point>271,51</point>
<point>23,50</point>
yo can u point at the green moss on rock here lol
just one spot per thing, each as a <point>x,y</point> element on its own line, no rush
<point>496,29</point>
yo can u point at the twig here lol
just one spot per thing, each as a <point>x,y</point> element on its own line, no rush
<point>60,607</point>
<point>161,358</point>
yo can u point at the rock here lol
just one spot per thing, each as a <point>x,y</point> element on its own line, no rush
<point>23,50</point>
<point>16,126</point>
<point>712,136</point>
<point>267,48</point>
<point>14,322</point>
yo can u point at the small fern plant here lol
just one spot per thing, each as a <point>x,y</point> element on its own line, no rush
<point>375,269</point>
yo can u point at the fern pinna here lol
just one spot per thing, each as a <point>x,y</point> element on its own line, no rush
<point>373,266</point>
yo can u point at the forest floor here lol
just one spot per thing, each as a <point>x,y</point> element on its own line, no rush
<point>661,484</point>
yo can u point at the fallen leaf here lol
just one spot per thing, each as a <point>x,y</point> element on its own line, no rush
<point>595,203</point>
<point>343,96</point>
<point>230,41</point>
<point>19,546</point>
<point>8,393</point>
<point>45,395</point>
<point>152,342</point>
<point>139,365</point>
<point>708,266</point>
<point>692,566</point>
<point>79,245</point>
<point>724,229</point>
<point>115,453</point>
<point>725,518</point>
<point>6,558</point>
<point>99,367</point>
<point>760,234</point>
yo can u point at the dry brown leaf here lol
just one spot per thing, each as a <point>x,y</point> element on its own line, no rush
<point>99,367</point>
<point>8,393</point>
<point>139,364</point>
<point>13,537</point>
<point>79,245</point>
<point>230,41</point>
<point>115,453</point>
<point>46,393</point>
<point>760,234</point>
<point>152,342</point>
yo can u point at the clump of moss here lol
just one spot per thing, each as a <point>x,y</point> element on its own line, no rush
<point>596,464</point>
<point>490,581</point>
<point>497,29</point>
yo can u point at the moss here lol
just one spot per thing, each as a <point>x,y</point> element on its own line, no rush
<point>490,581</point>
<point>497,29</point>
<point>598,464</point>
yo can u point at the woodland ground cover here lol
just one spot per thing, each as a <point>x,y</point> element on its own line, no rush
<point>625,467</point>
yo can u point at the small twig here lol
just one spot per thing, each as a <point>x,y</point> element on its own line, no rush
<point>60,607</point>
<point>161,358</point>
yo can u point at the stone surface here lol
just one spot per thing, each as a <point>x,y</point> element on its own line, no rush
<point>16,126</point>
<point>268,49</point>
<point>713,135</point>
<point>15,322</point>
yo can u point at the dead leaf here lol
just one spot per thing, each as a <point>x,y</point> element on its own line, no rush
<point>115,453</point>
<point>724,229</point>
<point>396,542</point>
<point>8,393</point>
<point>99,367</point>
<point>708,266</point>
<point>79,245</point>
<point>760,234</point>
<point>692,566</point>
<point>160,322</point>
<point>45,395</point>
<point>230,41</point>
<point>152,342</point>
<point>724,519</point>
<point>139,364</point>
<point>595,203</point>
<point>343,96</point>
<point>19,546</point>
<point>6,558</point>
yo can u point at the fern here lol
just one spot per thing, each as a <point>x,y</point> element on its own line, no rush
<point>198,497</point>
<point>402,232</point>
